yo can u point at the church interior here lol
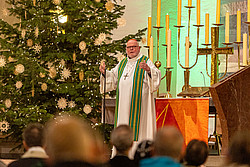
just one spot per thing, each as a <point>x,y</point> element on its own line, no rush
<point>50,52</point>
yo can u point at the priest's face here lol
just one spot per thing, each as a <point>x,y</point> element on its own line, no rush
<point>132,48</point>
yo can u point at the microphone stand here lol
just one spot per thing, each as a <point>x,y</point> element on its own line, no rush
<point>104,105</point>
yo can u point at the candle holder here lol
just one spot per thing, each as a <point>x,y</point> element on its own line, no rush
<point>189,16</point>
<point>238,48</point>
<point>168,81</point>
<point>248,23</point>
<point>218,25</point>
<point>158,63</point>
<point>186,85</point>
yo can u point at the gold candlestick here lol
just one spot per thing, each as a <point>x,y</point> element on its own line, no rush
<point>238,47</point>
<point>168,81</point>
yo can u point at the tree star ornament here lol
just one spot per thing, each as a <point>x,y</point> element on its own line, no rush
<point>19,84</point>
<point>87,109</point>
<point>121,22</point>
<point>2,61</point>
<point>56,2</point>
<point>37,48</point>
<point>44,87</point>
<point>4,126</point>
<point>19,68</point>
<point>42,75</point>
<point>66,73</point>
<point>71,104</point>
<point>102,36</point>
<point>98,41</point>
<point>5,12</point>
<point>62,103</point>
<point>7,103</point>
<point>109,6</point>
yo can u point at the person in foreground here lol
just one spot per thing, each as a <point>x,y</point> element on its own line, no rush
<point>239,150</point>
<point>168,146</point>
<point>135,79</point>
<point>33,142</point>
<point>196,153</point>
<point>72,143</point>
<point>122,139</point>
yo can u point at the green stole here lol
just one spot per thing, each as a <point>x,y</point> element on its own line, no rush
<point>135,108</point>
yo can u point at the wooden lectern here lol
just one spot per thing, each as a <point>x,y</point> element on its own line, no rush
<point>231,97</point>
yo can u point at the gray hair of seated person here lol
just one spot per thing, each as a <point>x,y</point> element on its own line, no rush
<point>122,138</point>
<point>168,142</point>
<point>68,138</point>
<point>33,135</point>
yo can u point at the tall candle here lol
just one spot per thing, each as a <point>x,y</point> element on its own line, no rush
<point>198,8</point>
<point>248,10</point>
<point>169,49</point>
<point>149,30</point>
<point>244,49</point>
<point>158,13</point>
<point>218,12</point>
<point>167,27</point>
<point>238,26</point>
<point>187,52</point>
<point>207,28</point>
<point>179,13</point>
<point>227,28</point>
<point>151,49</point>
<point>189,2</point>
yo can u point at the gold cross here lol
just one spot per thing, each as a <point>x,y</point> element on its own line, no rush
<point>214,51</point>
<point>125,76</point>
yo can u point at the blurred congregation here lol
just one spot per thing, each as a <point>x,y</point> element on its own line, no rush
<point>68,141</point>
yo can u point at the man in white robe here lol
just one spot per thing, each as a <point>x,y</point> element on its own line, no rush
<point>150,82</point>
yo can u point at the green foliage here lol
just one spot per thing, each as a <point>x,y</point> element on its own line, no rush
<point>87,19</point>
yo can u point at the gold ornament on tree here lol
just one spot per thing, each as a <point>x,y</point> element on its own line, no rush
<point>56,2</point>
<point>81,75</point>
<point>71,104</point>
<point>5,12</point>
<point>62,63</point>
<point>87,109</point>
<point>4,126</point>
<point>144,41</point>
<point>19,68</point>
<point>19,84</point>
<point>102,36</point>
<point>23,33</point>
<point>98,0</point>
<point>36,32</point>
<point>37,48</point>
<point>44,86</point>
<point>98,41</point>
<point>2,61</point>
<point>7,103</point>
<point>121,22</point>
<point>42,75</point>
<point>33,92</point>
<point>34,2</point>
<point>29,42</point>
<point>66,73</point>
<point>109,6</point>
<point>74,57</point>
<point>62,103</point>
<point>52,72</point>
<point>82,46</point>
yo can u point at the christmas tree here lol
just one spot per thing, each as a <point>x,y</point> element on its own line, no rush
<point>49,60</point>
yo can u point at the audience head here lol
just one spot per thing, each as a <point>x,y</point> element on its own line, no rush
<point>33,135</point>
<point>122,138</point>
<point>239,149</point>
<point>168,142</point>
<point>69,138</point>
<point>196,153</point>
<point>144,150</point>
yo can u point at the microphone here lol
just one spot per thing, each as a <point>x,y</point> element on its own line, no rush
<point>203,78</point>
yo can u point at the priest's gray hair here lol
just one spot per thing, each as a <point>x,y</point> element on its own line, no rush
<point>122,138</point>
<point>169,142</point>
